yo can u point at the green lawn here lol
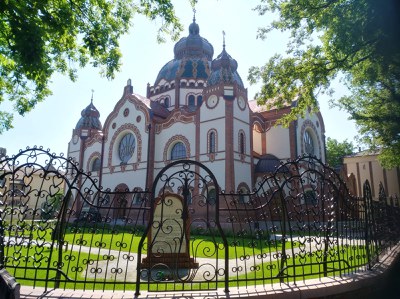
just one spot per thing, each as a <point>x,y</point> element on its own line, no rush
<point>127,240</point>
<point>37,266</point>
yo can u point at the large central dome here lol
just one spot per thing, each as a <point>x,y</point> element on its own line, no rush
<point>192,58</point>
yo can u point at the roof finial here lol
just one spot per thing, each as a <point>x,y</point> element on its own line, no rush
<point>194,14</point>
<point>223,36</point>
<point>91,100</point>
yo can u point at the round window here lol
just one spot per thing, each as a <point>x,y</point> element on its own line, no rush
<point>127,147</point>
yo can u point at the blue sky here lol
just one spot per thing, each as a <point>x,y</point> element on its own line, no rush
<point>50,124</point>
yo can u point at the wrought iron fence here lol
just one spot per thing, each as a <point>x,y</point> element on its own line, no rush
<point>60,229</point>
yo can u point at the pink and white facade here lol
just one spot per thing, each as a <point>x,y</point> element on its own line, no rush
<point>197,109</point>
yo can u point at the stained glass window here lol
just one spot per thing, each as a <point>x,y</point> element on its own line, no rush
<point>308,143</point>
<point>178,151</point>
<point>127,147</point>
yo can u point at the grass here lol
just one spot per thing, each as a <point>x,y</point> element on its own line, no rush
<point>127,240</point>
<point>339,260</point>
<point>336,261</point>
<point>37,266</point>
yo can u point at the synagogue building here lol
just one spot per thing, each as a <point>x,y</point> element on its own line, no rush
<point>197,109</point>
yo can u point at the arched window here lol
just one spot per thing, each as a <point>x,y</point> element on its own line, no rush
<point>191,101</point>
<point>242,146</point>
<point>308,143</point>
<point>211,142</point>
<point>189,199</point>
<point>137,199</point>
<point>166,102</point>
<point>96,164</point>
<point>199,100</point>
<point>178,151</point>
<point>120,201</point>
<point>243,196</point>
<point>212,196</point>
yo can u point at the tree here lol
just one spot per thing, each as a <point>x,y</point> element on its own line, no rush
<point>39,38</point>
<point>50,208</point>
<point>335,151</point>
<point>356,39</point>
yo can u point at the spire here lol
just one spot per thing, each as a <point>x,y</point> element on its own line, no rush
<point>90,117</point>
<point>194,13</point>
<point>223,37</point>
<point>224,68</point>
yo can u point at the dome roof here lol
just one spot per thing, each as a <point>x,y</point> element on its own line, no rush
<point>269,164</point>
<point>89,118</point>
<point>193,45</point>
<point>196,68</point>
<point>224,70</point>
<point>192,57</point>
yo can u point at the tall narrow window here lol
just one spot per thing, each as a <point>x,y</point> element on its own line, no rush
<point>189,198</point>
<point>166,102</point>
<point>191,100</point>
<point>137,199</point>
<point>241,143</point>
<point>211,141</point>
<point>199,100</point>
<point>178,151</point>
<point>308,143</point>
<point>243,196</point>
<point>211,197</point>
<point>96,164</point>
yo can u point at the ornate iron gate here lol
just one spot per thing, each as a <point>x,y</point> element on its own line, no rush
<point>183,215</point>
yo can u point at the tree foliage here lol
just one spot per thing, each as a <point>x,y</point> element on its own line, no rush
<point>335,151</point>
<point>357,39</point>
<point>39,38</point>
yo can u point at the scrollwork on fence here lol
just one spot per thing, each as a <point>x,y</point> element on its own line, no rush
<point>60,229</point>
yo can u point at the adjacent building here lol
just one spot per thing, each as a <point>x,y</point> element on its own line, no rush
<point>363,166</point>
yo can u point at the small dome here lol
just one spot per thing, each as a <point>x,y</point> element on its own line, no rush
<point>194,28</point>
<point>224,70</point>
<point>89,118</point>
<point>192,58</point>
<point>193,45</point>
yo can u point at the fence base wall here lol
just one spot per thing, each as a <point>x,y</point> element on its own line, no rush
<point>9,287</point>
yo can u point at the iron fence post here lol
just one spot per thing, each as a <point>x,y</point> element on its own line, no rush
<point>2,263</point>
